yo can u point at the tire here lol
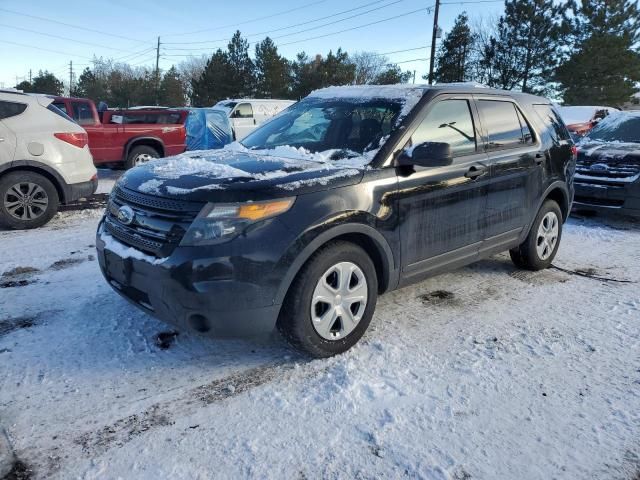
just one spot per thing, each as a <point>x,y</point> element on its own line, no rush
<point>300,320</point>
<point>27,200</point>
<point>539,248</point>
<point>139,155</point>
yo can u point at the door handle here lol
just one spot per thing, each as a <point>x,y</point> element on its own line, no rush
<point>539,158</point>
<point>476,171</point>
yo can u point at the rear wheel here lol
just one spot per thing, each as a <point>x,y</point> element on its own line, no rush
<point>331,302</point>
<point>541,245</point>
<point>141,154</point>
<point>27,200</point>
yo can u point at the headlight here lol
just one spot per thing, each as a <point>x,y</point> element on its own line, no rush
<point>217,222</point>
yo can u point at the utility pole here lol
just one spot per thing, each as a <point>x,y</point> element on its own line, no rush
<point>158,72</point>
<point>414,77</point>
<point>70,78</point>
<point>433,41</point>
<point>30,76</point>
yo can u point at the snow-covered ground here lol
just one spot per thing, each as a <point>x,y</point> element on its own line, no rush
<point>485,373</point>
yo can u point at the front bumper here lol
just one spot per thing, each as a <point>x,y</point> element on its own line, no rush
<point>175,292</point>
<point>623,199</point>
<point>75,191</point>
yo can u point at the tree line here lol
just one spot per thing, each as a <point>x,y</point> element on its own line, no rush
<point>583,51</point>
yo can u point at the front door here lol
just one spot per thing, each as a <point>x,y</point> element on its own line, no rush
<point>442,208</point>
<point>7,145</point>
<point>243,120</point>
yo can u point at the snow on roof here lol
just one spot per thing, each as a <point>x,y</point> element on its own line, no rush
<point>582,114</point>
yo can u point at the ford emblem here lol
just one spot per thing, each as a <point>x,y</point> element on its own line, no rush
<point>126,215</point>
<point>599,167</point>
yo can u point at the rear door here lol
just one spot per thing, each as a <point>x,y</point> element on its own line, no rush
<point>243,120</point>
<point>442,208</point>
<point>515,160</point>
<point>7,137</point>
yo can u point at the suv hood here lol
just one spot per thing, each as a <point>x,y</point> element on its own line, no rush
<point>590,152</point>
<point>238,174</point>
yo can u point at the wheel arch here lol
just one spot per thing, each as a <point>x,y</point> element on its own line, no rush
<point>557,192</point>
<point>366,237</point>
<point>153,142</point>
<point>37,167</point>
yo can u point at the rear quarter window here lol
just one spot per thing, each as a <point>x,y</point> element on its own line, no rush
<point>52,108</point>
<point>11,109</point>
<point>552,122</point>
<point>505,125</point>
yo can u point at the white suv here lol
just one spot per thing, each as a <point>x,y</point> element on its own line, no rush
<point>44,160</point>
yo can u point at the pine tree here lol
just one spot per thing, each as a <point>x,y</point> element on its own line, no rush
<point>171,90</point>
<point>242,68</point>
<point>273,72</point>
<point>215,82</point>
<point>604,66</point>
<point>455,53</point>
<point>46,82</point>
<point>25,86</point>
<point>307,75</point>
<point>524,52</point>
<point>337,70</point>
<point>392,75</point>
<point>90,86</point>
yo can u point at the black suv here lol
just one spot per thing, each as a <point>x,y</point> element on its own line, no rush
<point>350,193</point>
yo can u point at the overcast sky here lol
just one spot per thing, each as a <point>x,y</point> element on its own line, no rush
<point>41,34</point>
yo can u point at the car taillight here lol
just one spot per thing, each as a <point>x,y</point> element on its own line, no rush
<point>79,140</point>
<point>574,151</point>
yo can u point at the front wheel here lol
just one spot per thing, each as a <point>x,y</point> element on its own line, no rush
<point>541,245</point>
<point>331,302</point>
<point>27,200</point>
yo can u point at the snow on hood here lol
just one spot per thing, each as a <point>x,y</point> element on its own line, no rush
<point>224,164</point>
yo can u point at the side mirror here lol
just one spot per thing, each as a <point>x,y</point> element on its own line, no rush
<point>427,154</point>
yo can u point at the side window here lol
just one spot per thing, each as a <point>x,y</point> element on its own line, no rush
<point>60,105</point>
<point>527,134</point>
<point>243,110</point>
<point>449,121</point>
<point>11,109</point>
<point>552,122</point>
<point>502,123</point>
<point>82,113</point>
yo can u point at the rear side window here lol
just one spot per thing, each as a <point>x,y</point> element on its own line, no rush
<point>504,126</point>
<point>52,108</point>
<point>11,109</point>
<point>449,121</point>
<point>243,110</point>
<point>61,106</point>
<point>82,113</point>
<point>552,122</point>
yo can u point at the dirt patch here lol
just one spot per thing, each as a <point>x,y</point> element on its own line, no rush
<point>438,297</point>
<point>541,277</point>
<point>16,283</point>
<point>124,430</point>
<point>11,324</point>
<point>98,200</point>
<point>164,340</point>
<point>20,271</point>
<point>19,471</point>
<point>65,263</point>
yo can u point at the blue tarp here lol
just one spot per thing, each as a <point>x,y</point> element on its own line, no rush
<point>207,128</point>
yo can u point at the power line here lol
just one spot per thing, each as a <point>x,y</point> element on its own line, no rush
<point>61,37</point>
<point>464,2</point>
<point>44,19</point>
<point>288,26</point>
<point>45,49</point>
<point>286,12</point>
<point>356,27</point>
<point>402,51</point>
<point>409,61</point>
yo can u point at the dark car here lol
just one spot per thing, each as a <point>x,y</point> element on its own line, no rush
<point>350,193</point>
<point>608,168</point>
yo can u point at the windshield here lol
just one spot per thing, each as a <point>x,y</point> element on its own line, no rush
<point>617,128</point>
<point>350,127</point>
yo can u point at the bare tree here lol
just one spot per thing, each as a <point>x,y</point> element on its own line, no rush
<point>190,70</point>
<point>369,66</point>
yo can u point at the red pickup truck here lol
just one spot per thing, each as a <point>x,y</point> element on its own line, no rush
<point>127,137</point>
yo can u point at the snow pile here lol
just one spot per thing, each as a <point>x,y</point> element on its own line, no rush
<point>203,163</point>
<point>573,115</point>
<point>124,251</point>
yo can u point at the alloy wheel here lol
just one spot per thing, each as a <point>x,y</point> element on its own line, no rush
<point>339,301</point>
<point>547,237</point>
<point>26,201</point>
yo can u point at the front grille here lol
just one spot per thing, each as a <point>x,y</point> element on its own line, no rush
<point>158,224</point>
<point>612,174</point>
